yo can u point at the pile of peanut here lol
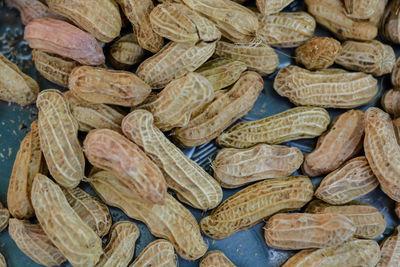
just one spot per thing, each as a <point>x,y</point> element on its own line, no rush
<point>209,57</point>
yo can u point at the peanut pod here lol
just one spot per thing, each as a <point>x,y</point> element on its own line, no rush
<point>268,7</point>
<point>360,9</point>
<point>391,102</point>
<point>390,22</point>
<point>126,52</point>
<point>158,253</point>
<point>215,258</point>
<point>31,9</point>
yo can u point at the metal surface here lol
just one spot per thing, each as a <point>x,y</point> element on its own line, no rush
<point>245,248</point>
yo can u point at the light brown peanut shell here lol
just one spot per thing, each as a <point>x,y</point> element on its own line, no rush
<point>109,150</point>
<point>222,112</point>
<point>360,9</point>
<point>192,184</point>
<point>4,216</point>
<point>396,74</point>
<point>292,231</point>
<point>390,250</point>
<point>292,124</point>
<point>333,88</point>
<point>33,241</point>
<point>378,13</point>
<point>215,258</point>
<point>173,62</point>
<point>171,221</point>
<point>68,232</point>
<point>341,142</point>
<point>237,167</point>
<point>396,126</point>
<point>16,86</point>
<point>61,38</point>
<point>260,57</point>
<point>390,102</point>
<point>255,203</point>
<point>28,162</point>
<point>268,7</point>
<point>383,151</point>
<point>353,253</point>
<point>158,253</point>
<point>397,209</point>
<point>31,9</point>
<point>126,52</point>
<point>390,22</point>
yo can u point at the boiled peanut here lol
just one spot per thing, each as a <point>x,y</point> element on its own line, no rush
<point>4,216</point>
<point>390,250</point>
<point>292,124</point>
<point>237,167</point>
<point>360,9</point>
<point>390,22</point>
<point>341,142</point>
<point>391,102</point>
<point>158,253</point>
<point>126,52</point>
<point>215,258</point>
<point>31,9</point>
<point>268,7</point>
<point>109,150</point>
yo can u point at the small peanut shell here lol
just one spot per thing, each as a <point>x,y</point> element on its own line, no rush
<point>391,102</point>
<point>215,258</point>
<point>158,253</point>
<point>126,52</point>
<point>390,250</point>
<point>4,216</point>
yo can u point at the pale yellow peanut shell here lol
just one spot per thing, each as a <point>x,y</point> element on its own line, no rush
<point>126,52</point>
<point>390,102</point>
<point>4,216</point>
<point>390,250</point>
<point>268,7</point>
<point>158,253</point>
<point>31,9</point>
<point>360,9</point>
<point>215,258</point>
<point>390,22</point>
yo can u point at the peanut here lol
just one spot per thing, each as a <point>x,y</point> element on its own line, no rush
<point>390,250</point>
<point>171,221</point>
<point>191,183</point>
<point>72,236</point>
<point>391,102</point>
<point>290,231</point>
<point>126,52</point>
<point>360,9</point>
<point>3,262</point>
<point>61,38</point>
<point>341,142</point>
<point>222,112</point>
<point>268,7</point>
<point>120,246</point>
<point>4,216</point>
<point>16,86</point>
<point>31,9</point>
<point>256,202</point>
<point>332,88</point>
<point>378,13</point>
<point>260,58</point>
<point>173,62</point>
<point>215,258</point>
<point>396,126</point>
<point>318,53</point>
<point>109,150</point>
<point>33,241</point>
<point>237,167</point>
<point>28,162</point>
<point>390,22</point>
<point>292,124</point>
<point>383,151</point>
<point>397,209</point>
<point>352,253</point>
<point>159,253</point>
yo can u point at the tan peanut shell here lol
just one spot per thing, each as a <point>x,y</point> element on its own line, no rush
<point>3,262</point>
<point>369,221</point>
<point>28,162</point>
<point>390,250</point>
<point>53,67</point>
<point>30,9</point>
<point>378,13</point>
<point>292,124</point>
<point>179,23</point>
<point>138,13</point>
<point>33,241</point>
<point>222,112</point>
<point>222,72</point>
<point>58,132</point>
<point>159,253</point>
<point>192,184</point>
<point>215,258</point>
<point>390,22</point>
<point>94,116</point>
<point>318,53</point>
<point>109,150</point>
<point>4,216</point>
<point>101,86</point>
<point>370,57</point>
<point>16,86</point>
<point>341,142</point>
<point>333,88</point>
<point>383,151</point>
<point>237,167</point>
<point>390,102</point>
<point>171,221</point>
<point>64,39</point>
<point>331,14</point>
<point>397,209</point>
<point>396,74</point>
<point>353,253</point>
<point>268,7</point>
<point>173,62</point>
<point>360,9</point>
<point>260,57</point>
<point>68,232</point>
<point>126,52</point>
<point>292,231</point>
<point>100,18</point>
<point>120,246</point>
<point>176,103</point>
<point>256,202</point>
<point>286,29</point>
<point>236,22</point>
<point>396,126</point>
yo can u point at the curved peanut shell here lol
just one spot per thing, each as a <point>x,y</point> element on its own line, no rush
<point>171,221</point>
<point>391,102</point>
<point>28,162</point>
<point>268,7</point>
<point>256,202</point>
<point>360,9</point>
<point>61,38</point>
<point>292,231</point>
<point>215,258</point>
<point>333,88</point>
<point>237,167</point>
<point>341,142</point>
<point>390,22</point>
<point>126,52</point>
<point>292,124</point>
<point>390,250</point>
<point>16,86</point>
<point>4,216</point>
<point>68,232</point>
<point>31,9</point>
<point>109,150</point>
<point>158,253</point>
<point>383,151</point>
